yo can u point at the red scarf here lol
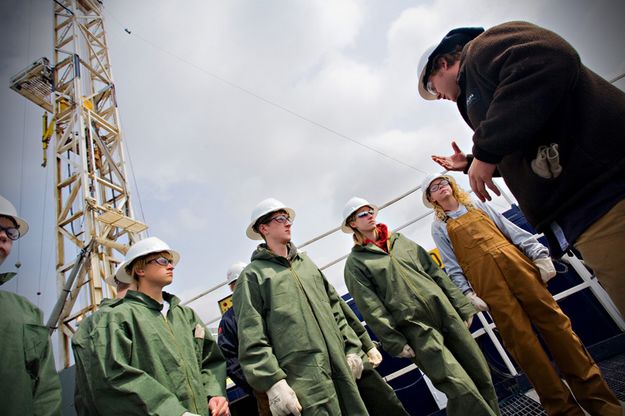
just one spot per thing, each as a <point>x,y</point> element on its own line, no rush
<point>382,237</point>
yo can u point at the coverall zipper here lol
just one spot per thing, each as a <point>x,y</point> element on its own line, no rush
<point>196,410</point>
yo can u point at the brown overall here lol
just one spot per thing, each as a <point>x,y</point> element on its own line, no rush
<point>517,298</point>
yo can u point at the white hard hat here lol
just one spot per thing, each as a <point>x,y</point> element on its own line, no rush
<point>426,184</point>
<point>423,92</point>
<point>8,210</point>
<point>234,271</point>
<point>139,249</point>
<point>353,205</point>
<point>263,208</point>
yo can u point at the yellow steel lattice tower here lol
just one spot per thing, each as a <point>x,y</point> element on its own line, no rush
<point>93,210</point>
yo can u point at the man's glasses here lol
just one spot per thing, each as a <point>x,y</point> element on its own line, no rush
<point>162,261</point>
<point>438,185</point>
<point>11,232</point>
<point>281,219</point>
<point>364,213</point>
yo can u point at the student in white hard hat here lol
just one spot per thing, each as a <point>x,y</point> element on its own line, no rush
<point>416,311</point>
<point>157,357</point>
<point>228,340</point>
<point>28,379</point>
<point>508,268</point>
<point>294,341</point>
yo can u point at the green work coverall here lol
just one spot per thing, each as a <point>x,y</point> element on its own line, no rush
<point>407,299</point>
<point>379,397</point>
<point>291,327</point>
<point>29,382</point>
<point>152,365</point>
<point>87,368</point>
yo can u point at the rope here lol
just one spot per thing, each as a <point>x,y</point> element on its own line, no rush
<point>261,98</point>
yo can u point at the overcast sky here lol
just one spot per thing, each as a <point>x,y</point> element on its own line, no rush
<point>204,152</point>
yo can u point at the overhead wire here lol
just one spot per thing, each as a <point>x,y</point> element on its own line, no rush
<point>258,96</point>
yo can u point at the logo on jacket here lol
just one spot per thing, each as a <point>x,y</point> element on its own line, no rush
<point>472,98</point>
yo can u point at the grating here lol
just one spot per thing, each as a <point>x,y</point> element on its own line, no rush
<point>520,405</point>
<point>613,371</point>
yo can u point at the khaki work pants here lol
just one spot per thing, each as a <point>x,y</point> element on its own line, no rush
<point>510,284</point>
<point>602,246</point>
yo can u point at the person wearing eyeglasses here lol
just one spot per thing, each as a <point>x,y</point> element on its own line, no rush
<point>294,341</point>
<point>28,379</point>
<point>416,311</point>
<point>486,254</point>
<point>549,126</point>
<point>156,356</point>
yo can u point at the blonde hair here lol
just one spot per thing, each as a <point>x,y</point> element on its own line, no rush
<point>460,194</point>
<point>140,262</point>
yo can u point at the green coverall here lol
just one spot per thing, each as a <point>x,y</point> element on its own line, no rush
<point>407,299</point>
<point>29,382</point>
<point>379,397</point>
<point>291,327</point>
<point>87,368</point>
<point>152,365</point>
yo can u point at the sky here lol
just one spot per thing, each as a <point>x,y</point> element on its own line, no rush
<point>226,103</point>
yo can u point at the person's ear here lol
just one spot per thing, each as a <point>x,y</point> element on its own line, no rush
<point>262,229</point>
<point>352,224</point>
<point>140,272</point>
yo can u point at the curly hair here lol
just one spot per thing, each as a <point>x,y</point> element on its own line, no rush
<point>460,194</point>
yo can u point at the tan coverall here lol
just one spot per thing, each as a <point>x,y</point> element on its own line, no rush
<point>511,286</point>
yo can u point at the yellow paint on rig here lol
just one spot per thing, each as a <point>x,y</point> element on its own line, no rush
<point>436,256</point>
<point>87,104</point>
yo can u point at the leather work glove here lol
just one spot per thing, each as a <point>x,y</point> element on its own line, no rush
<point>282,400</point>
<point>355,364</point>
<point>375,358</point>
<point>407,352</point>
<point>546,268</point>
<point>477,302</point>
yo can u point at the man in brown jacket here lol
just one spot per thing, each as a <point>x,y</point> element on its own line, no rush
<point>552,128</point>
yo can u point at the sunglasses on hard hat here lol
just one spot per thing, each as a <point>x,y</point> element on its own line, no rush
<point>365,213</point>
<point>12,232</point>
<point>162,261</point>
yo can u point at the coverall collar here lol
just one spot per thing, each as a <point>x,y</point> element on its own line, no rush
<point>5,277</point>
<point>134,296</point>
<point>375,249</point>
<point>263,252</point>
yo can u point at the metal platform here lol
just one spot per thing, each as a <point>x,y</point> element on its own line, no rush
<point>521,405</point>
<point>613,370</point>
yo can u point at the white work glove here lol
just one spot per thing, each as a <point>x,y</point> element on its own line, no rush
<point>469,321</point>
<point>407,352</point>
<point>477,302</point>
<point>375,358</point>
<point>355,364</point>
<point>546,268</point>
<point>282,400</point>
<point>190,414</point>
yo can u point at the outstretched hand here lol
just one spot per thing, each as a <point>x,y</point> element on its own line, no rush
<point>457,161</point>
<point>480,177</point>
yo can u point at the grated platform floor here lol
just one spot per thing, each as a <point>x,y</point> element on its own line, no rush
<point>521,405</point>
<point>613,371</point>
